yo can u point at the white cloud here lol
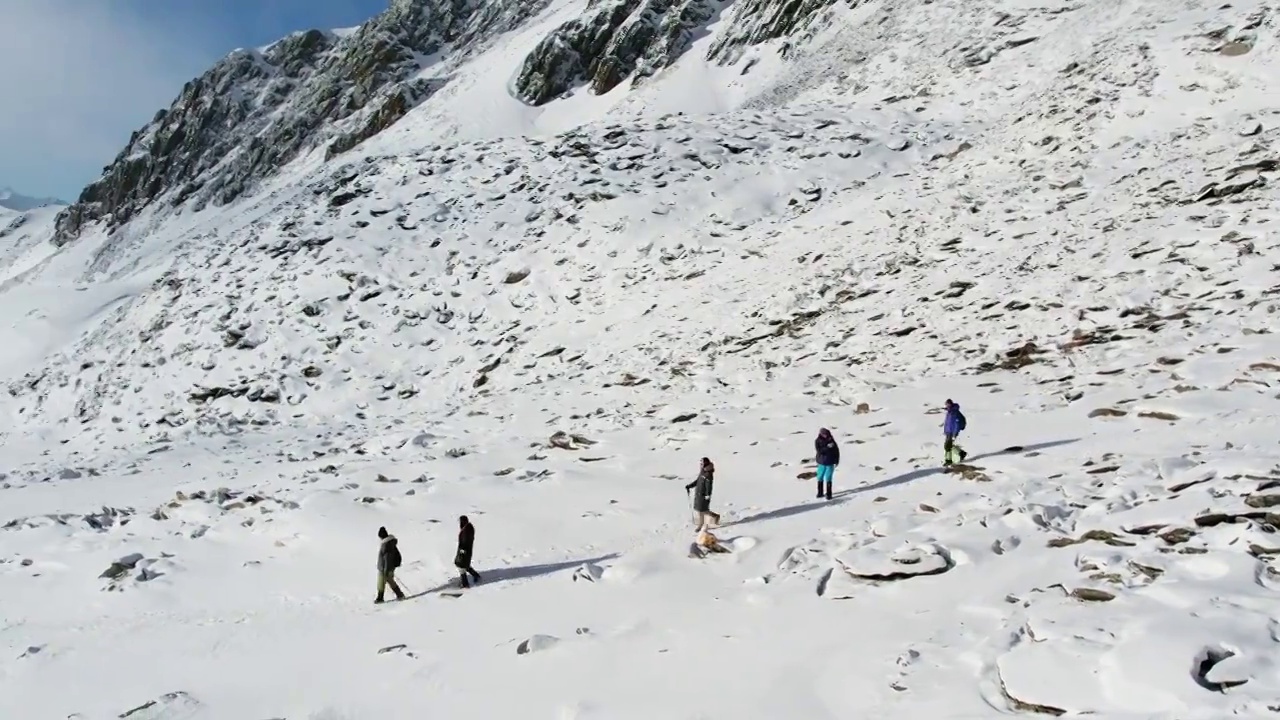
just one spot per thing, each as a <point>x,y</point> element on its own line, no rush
<point>76,78</point>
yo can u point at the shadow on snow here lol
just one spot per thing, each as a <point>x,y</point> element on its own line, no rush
<point>504,574</point>
<point>840,497</point>
<point>926,471</point>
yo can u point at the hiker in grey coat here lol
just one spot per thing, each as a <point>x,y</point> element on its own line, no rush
<point>388,561</point>
<point>702,495</point>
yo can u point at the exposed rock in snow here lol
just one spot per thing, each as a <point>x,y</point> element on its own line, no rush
<point>257,110</point>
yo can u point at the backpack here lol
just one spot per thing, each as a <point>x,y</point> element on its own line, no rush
<point>960,421</point>
<point>393,557</point>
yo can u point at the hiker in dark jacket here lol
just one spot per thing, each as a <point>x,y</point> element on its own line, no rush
<point>952,426</point>
<point>827,455</point>
<point>466,541</point>
<point>388,561</point>
<point>702,495</point>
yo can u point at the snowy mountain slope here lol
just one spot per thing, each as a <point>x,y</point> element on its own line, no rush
<point>969,242</point>
<point>259,111</point>
<point>316,309</point>
<point>13,201</point>
<point>24,238</point>
<point>1070,235</point>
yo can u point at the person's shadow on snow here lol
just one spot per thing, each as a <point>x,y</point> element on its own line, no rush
<point>815,504</point>
<point>926,471</point>
<point>525,572</point>
<point>844,495</point>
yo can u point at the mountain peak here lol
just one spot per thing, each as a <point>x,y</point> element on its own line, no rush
<point>14,200</point>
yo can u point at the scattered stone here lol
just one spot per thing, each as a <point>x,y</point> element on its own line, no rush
<point>392,648</point>
<point>536,643</point>
<point>170,705</point>
<point>569,441</point>
<point>1092,595</point>
<point>1102,536</point>
<point>1208,661</point>
<point>1107,412</point>
<point>1024,706</point>
<point>684,418</point>
<point>1259,551</point>
<point>588,572</point>
<point>1251,129</point>
<point>1214,519</point>
<point>916,561</point>
<point>1191,483</point>
<point>1150,572</point>
<point>1235,49</point>
<point>1177,536</point>
<point>516,276</point>
<point>121,567</point>
<point>1263,501</point>
<point>504,471</point>
<point>1157,415</point>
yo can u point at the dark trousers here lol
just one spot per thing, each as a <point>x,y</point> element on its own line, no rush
<point>464,571</point>
<point>385,578</point>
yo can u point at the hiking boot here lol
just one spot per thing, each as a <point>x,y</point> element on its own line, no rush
<point>828,492</point>
<point>963,455</point>
<point>819,488</point>
<point>377,601</point>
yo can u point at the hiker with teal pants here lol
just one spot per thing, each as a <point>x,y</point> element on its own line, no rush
<point>827,455</point>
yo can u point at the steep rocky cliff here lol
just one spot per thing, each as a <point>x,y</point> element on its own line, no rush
<point>257,110</point>
<point>619,39</point>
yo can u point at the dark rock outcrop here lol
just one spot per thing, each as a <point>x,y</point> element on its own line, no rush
<point>635,39</point>
<point>613,41</point>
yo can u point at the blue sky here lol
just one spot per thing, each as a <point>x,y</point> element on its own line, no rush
<point>78,76</point>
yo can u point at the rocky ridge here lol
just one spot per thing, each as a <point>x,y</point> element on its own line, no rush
<point>256,111</point>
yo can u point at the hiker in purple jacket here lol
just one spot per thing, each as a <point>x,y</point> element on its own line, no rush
<point>827,455</point>
<point>952,426</point>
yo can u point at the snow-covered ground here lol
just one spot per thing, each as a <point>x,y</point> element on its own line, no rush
<point>257,602</point>
<point>1070,233</point>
